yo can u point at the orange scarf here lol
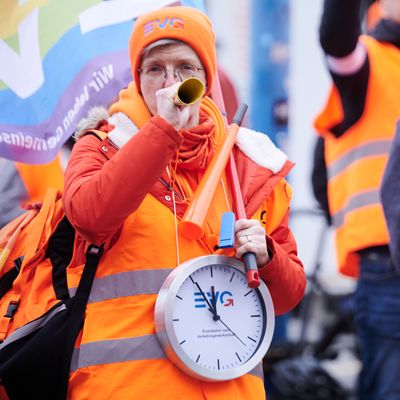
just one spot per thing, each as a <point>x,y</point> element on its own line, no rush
<point>197,147</point>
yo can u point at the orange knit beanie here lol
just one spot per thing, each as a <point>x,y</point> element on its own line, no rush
<point>186,24</point>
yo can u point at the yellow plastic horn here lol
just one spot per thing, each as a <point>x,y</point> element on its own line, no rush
<point>189,91</point>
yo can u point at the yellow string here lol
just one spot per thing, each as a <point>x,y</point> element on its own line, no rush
<point>175,182</point>
<point>178,261</point>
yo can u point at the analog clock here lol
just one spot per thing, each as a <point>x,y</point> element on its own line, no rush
<point>209,322</point>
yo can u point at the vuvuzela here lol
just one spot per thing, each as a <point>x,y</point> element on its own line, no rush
<point>191,225</point>
<point>189,91</point>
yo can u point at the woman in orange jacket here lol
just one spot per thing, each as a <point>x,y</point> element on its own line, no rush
<point>129,190</point>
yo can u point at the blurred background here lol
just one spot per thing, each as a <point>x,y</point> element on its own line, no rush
<point>270,54</point>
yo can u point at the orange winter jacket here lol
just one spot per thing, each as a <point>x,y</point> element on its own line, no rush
<point>356,160</point>
<point>117,197</point>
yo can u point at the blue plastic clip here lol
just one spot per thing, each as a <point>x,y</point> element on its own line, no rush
<point>227,230</point>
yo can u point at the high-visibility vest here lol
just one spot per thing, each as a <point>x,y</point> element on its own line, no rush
<point>356,160</point>
<point>118,356</point>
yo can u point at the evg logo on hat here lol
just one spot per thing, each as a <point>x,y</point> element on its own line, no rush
<point>175,23</point>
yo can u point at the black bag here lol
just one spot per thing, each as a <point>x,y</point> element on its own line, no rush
<point>35,359</point>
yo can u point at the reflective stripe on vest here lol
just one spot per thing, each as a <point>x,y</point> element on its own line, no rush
<point>145,347</point>
<point>375,148</point>
<point>32,326</point>
<point>129,283</point>
<point>369,198</point>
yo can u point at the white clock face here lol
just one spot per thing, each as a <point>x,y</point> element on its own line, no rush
<point>209,322</point>
<point>219,321</point>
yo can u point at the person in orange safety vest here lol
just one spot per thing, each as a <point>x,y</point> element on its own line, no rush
<point>128,189</point>
<point>357,127</point>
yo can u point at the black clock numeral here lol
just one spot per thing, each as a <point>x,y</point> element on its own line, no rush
<point>179,297</point>
<point>255,341</point>
<point>183,341</point>
<point>232,277</point>
<point>198,358</point>
<point>248,293</point>
<point>237,355</point>
<point>176,320</point>
<point>211,271</point>
<point>255,316</point>
<point>218,362</point>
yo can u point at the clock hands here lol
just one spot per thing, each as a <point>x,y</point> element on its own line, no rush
<point>214,304</point>
<point>218,318</point>
<point>212,307</point>
<point>233,333</point>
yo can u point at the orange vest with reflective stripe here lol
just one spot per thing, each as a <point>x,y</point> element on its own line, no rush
<point>356,160</point>
<point>118,355</point>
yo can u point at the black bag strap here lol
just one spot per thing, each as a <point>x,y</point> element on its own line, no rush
<point>7,280</point>
<point>37,365</point>
<point>93,255</point>
<point>78,306</point>
<point>59,251</point>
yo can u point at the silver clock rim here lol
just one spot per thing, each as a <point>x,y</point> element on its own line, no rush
<point>165,330</point>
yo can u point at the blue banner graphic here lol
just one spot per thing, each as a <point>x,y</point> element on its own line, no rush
<point>57,60</point>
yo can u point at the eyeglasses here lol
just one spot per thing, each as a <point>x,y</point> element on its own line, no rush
<point>157,73</point>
